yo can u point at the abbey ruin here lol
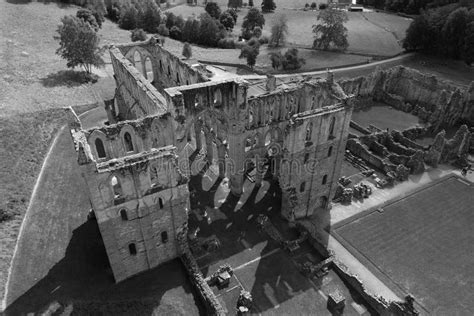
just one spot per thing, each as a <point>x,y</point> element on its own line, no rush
<point>169,113</point>
<point>137,167</point>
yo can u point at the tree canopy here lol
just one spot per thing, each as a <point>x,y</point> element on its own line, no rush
<point>250,51</point>
<point>331,31</point>
<point>253,18</point>
<point>212,8</point>
<point>268,5</point>
<point>78,44</point>
<point>279,31</point>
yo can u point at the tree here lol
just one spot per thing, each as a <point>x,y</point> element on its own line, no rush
<point>251,3</point>
<point>276,59</point>
<point>78,44</point>
<point>417,34</point>
<point>87,16</point>
<point>279,31</point>
<point>163,30</point>
<point>313,5</point>
<point>291,59</point>
<point>151,16</point>
<point>208,30</point>
<point>187,51</point>
<point>212,8</point>
<point>268,5</point>
<point>250,51</point>
<point>454,32</point>
<point>175,33</point>
<point>253,18</point>
<point>257,32</point>
<point>227,20</point>
<point>331,30</point>
<point>233,13</point>
<point>128,17</point>
<point>234,4</point>
<point>468,49</point>
<point>138,35</point>
<point>189,32</point>
<point>170,19</point>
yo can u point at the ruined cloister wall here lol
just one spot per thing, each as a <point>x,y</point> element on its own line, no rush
<point>409,90</point>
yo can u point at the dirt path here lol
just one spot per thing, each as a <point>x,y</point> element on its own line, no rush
<point>59,205</point>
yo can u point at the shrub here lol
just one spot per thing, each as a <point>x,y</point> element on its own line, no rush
<point>227,43</point>
<point>128,18</point>
<point>323,6</point>
<point>212,8</point>
<point>87,16</point>
<point>250,51</point>
<point>253,19</point>
<point>268,5</point>
<point>313,5</point>
<point>138,35</point>
<point>187,51</point>
<point>306,5</point>
<point>291,60</point>
<point>263,40</point>
<point>170,19</point>
<point>175,33</point>
<point>163,30</point>
<point>227,20</point>
<point>257,32</point>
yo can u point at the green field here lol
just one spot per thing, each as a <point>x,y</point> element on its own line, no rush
<point>423,244</point>
<point>368,33</point>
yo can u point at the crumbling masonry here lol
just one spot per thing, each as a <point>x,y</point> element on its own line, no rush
<point>137,166</point>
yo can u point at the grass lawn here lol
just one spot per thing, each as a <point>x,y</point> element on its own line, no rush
<point>368,33</point>
<point>25,140</point>
<point>423,244</point>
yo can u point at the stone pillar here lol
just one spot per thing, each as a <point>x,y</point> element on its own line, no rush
<point>236,182</point>
<point>209,146</point>
<point>221,149</point>
<point>197,133</point>
<point>258,171</point>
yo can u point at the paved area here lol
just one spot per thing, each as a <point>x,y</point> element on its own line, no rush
<point>421,243</point>
<point>340,212</point>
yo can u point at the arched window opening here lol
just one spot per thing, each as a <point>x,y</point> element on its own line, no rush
<point>268,139</point>
<point>330,151</point>
<point>149,69</point>
<point>177,78</point>
<point>251,118</point>
<point>255,141</point>
<point>132,248</point>
<point>137,61</point>
<point>154,175</point>
<point>313,102</point>
<point>128,142</point>
<point>217,97</point>
<point>116,187</point>
<point>309,131</point>
<point>187,82</point>
<point>306,157</point>
<point>160,202</point>
<point>248,144</point>
<point>164,237</point>
<point>323,201</point>
<point>302,186</point>
<point>161,65</point>
<point>325,178</point>
<point>123,214</point>
<point>99,147</point>
<point>331,127</point>
<point>169,70</point>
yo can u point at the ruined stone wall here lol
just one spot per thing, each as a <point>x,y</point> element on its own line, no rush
<point>409,90</point>
<point>135,96</point>
<point>168,69</point>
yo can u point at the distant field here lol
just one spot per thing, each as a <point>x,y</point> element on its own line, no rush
<point>369,33</point>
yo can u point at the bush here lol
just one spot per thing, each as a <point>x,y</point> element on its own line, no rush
<point>128,18</point>
<point>175,33</point>
<point>163,30</point>
<point>213,9</point>
<point>257,32</point>
<point>313,6</point>
<point>227,43</point>
<point>263,40</point>
<point>323,6</point>
<point>138,35</point>
<point>291,60</point>
<point>187,51</point>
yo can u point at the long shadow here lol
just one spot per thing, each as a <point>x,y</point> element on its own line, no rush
<point>83,280</point>
<point>70,78</point>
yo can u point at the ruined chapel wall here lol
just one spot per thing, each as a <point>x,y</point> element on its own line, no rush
<point>136,97</point>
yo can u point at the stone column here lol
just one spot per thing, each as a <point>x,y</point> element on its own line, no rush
<point>236,182</point>
<point>209,146</point>
<point>258,170</point>
<point>221,149</point>
<point>197,133</point>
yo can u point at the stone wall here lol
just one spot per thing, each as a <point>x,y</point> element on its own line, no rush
<point>409,90</point>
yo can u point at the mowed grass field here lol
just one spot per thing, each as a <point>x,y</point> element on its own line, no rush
<point>368,33</point>
<point>423,243</point>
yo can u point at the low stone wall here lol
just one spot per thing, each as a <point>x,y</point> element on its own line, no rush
<point>359,128</point>
<point>212,304</point>
<point>399,138</point>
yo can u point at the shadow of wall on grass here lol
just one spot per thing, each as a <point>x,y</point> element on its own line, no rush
<point>82,282</point>
<point>70,78</point>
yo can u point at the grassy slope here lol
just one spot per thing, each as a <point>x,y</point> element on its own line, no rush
<point>24,142</point>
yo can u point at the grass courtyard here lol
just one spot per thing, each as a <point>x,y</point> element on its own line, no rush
<point>421,244</point>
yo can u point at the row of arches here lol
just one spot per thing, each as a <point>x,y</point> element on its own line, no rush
<point>199,99</point>
<point>132,247</point>
<point>101,151</point>
<point>143,64</point>
<point>309,130</point>
<point>272,136</point>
